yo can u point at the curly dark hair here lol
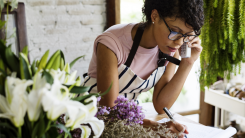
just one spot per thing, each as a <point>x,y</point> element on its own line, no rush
<point>191,11</point>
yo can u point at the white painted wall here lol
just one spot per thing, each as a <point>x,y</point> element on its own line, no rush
<point>68,25</point>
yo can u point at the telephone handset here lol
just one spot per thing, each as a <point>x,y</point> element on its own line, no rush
<point>185,51</point>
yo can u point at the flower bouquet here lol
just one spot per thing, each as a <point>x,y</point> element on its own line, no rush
<point>125,120</point>
<point>34,96</point>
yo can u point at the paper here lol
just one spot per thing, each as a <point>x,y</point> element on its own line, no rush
<point>201,131</point>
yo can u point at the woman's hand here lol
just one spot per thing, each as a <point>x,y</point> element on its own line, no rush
<point>174,127</point>
<point>196,50</point>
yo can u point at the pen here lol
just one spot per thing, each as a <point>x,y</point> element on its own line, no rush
<point>169,115</point>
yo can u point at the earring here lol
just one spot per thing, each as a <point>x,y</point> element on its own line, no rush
<point>153,22</point>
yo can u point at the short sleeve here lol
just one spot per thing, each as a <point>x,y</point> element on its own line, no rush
<point>112,42</point>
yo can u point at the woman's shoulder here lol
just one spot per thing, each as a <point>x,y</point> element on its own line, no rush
<point>120,29</point>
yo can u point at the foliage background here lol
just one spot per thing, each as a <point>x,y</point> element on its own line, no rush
<point>222,39</point>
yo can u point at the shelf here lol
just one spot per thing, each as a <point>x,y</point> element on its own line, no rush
<point>224,101</point>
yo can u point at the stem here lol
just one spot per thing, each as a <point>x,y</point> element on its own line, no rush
<point>19,132</point>
<point>48,126</point>
<point>32,125</point>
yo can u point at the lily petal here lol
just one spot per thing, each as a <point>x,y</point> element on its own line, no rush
<point>86,131</point>
<point>92,106</point>
<point>96,125</point>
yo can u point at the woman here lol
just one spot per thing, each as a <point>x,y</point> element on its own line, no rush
<point>128,54</point>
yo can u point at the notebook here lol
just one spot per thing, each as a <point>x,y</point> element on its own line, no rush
<point>201,131</point>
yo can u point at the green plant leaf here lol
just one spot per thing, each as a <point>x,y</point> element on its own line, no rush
<point>52,60</point>
<point>2,23</point>
<point>14,4</point>
<point>3,72</point>
<point>78,89</point>
<point>2,92</point>
<point>48,77</point>
<point>43,60</point>
<point>84,97</point>
<point>52,133</point>
<point>8,126</point>
<point>33,67</point>
<point>75,60</point>
<point>12,60</point>
<point>2,136</point>
<point>2,52</point>
<point>39,127</point>
<point>25,51</point>
<point>24,68</point>
<point>2,66</point>
<point>62,127</point>
<point>63,57</point>
<point>56,63</point>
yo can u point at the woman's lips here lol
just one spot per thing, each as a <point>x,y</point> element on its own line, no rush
<point>172,49</point>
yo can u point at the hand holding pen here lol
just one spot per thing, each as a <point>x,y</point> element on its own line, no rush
<point>180,128</point>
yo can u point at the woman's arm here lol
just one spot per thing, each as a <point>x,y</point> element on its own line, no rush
<point>107,73</point>
<point>169,86</point>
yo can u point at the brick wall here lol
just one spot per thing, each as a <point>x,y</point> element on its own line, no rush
<point>69,25</point>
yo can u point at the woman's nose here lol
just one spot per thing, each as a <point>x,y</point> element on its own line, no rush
<point>179,41</point>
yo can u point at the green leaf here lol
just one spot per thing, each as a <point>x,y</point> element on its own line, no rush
<point>2,4</point>
<point>24,68</point>
<point>56,63</point>
<point>25,51</point>
<point>3,72</point>
<point>84,97</point>
<point>2,92</point>
<point>43,60</point>
<point>2,23</point>
<point>63,57</point>
<point>75,60</point>
<point>62,127</point>
<point>48,77</point>
<point>2,66</point>
<point>12,60</point>
<point>33,67</point>
<point>8,126</point>
<point>14,4</point>
<point>52,133</point>
<point>2,136</point>
<point>39,127</point>
<point>52,60</point>
<point>78,89</point>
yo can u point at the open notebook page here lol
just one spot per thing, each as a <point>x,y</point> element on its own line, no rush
<point>201,131</point>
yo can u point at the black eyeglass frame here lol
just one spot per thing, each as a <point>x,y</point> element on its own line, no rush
<point>183,35</point>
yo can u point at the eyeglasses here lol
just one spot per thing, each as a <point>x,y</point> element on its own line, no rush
<point>176,35</point>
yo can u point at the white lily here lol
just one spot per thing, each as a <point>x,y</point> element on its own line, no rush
<point>40,85</point>
<point>96,124</point>
<point>52,100</point>
<point>56,102</point>
<point>14,106</point>
<point>64,77</point>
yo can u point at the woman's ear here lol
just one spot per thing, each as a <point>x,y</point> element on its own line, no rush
<point>154,15</point>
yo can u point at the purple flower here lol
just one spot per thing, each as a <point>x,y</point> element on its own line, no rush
<point>124,110</point>
<point>98,99</point>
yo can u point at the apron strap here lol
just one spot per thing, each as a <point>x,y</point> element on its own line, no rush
<point>135,46</point>
<point>163,57</point>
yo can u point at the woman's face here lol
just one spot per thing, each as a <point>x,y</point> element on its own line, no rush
<point>161,33</point>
